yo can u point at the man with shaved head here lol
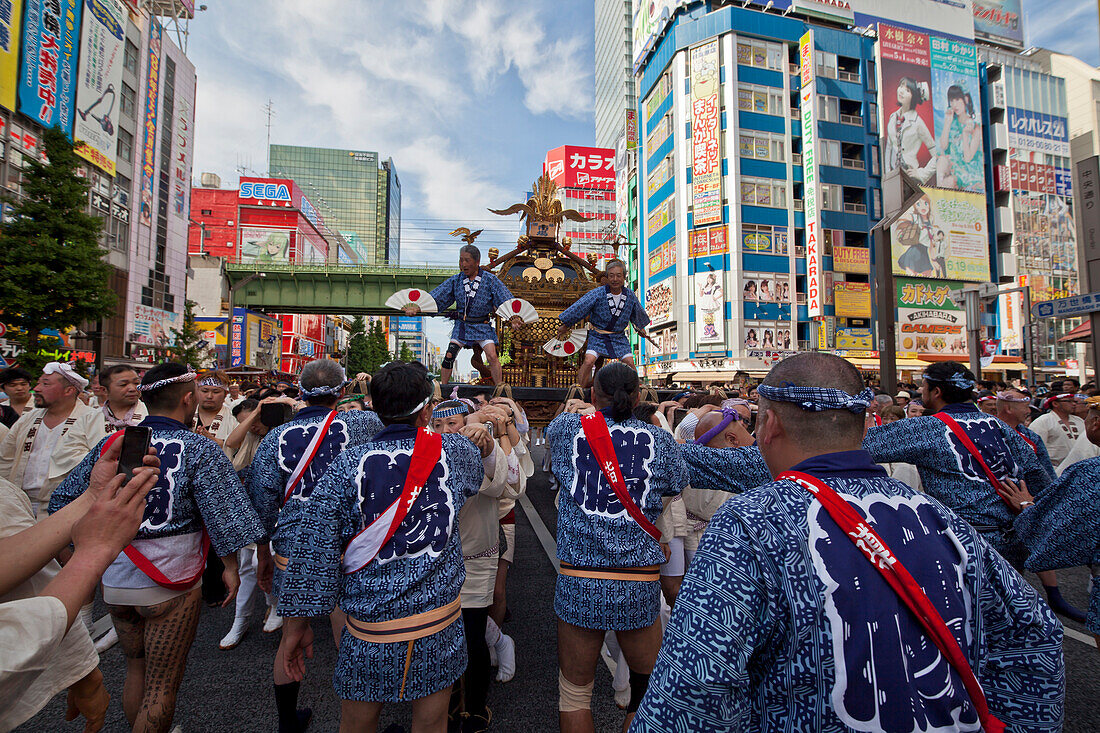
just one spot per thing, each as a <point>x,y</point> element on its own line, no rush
<point>835,597</point>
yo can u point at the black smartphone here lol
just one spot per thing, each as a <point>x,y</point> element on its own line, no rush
<point>274,414</point>
<point>135,445</point>
<point>677,415</point>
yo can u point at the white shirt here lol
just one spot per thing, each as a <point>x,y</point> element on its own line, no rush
<point>1058,436</point>
<point>38,462</point>
<point>1082,450</point>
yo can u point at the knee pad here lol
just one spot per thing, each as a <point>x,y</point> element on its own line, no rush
<point>449,358</point>
<point>572,698</point>
<point>639,683</point>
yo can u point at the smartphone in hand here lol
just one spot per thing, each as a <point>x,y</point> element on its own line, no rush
<point>135,446</point>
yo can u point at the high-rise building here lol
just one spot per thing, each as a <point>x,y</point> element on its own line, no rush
<point>354,194</point>
<point>586,183</point>
<point>615,95</point>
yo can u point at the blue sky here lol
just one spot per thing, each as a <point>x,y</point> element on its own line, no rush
<point>466,96</point>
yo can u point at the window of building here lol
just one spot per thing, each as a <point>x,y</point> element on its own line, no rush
<point>828,108</point>
<point>762,146</point>
<point>875,171</point>
<point>826,64</point>
<point>872,111</point>
<point>207,212</point>
<point>829,152</point>
<point>125,146</point>
<point>832,238</point>
<point>764,100</point>
<point>872,84</point>
<point>129,97</point>
<point>760,54</point>
<point>130,58</point>
<point>832,197</point>
<point>764,192</point>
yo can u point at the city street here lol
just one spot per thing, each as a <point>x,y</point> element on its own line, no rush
<point>231,691</point>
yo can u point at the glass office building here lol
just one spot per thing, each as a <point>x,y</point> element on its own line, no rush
<point>354,195</point>
<point>615,95</point>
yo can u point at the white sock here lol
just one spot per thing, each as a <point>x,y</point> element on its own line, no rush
<point>492,632</point>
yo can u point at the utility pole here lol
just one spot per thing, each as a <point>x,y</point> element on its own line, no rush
<point>269,110</point>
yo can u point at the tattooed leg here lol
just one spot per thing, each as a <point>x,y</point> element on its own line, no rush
<point>130,627</point>
<point>169,631</point>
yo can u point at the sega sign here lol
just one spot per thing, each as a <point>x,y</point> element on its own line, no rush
<point>264,191</point>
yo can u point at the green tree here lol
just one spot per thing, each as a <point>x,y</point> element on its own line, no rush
<point>185,344</point>
<point>366,349</point>
<point>405,354</point>
<point>54,274</point>
<point>377,353</point>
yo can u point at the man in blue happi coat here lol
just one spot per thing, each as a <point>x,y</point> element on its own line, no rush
<point>476,293</point>
<point>608,308</point>
<point>784,622</point>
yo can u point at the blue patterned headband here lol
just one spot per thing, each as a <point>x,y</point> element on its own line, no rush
<point>320,391</point>
<point>187,376</point>
<point>958,379</point>
<point>450,410</point>
<point>818,399</point>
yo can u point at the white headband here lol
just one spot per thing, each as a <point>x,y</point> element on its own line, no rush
<point>66,371</point>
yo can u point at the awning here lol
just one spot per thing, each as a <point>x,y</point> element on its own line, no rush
<point>1082,333</point>
<point>874,363</point>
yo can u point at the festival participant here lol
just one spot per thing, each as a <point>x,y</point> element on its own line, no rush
<point>16,384</point>
<point>608,308</point>
<point>954,436</point>
<point>1059,526</point>
<point>152,590</point>
<point>476,293</point>
<point>1059,427</point>
<point>479,530</point>
<point>378,538</point>
<point>1013,409</point>
<point>987,402</point>
<point>289,462</point>
<point>69,659</point>
<point>121,403</point>
<point>902,399</point>
<point>235,397</point>
<point>614,470</point>
<point>49,441</point>
<point>214,418</point>
<point>789,619</point>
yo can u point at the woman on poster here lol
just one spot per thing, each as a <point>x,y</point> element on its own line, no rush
<point>960,166</point>
<point>915,231</point>
<point>906,133</point>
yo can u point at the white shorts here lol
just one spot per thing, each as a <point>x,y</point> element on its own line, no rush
<point>626,357</point>
<point>482,344</point>
<point>679,558</point>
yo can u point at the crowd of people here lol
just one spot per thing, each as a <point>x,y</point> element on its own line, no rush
<point>806,553</point>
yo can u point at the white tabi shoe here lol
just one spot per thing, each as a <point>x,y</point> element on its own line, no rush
<point>493,656</point>
<point>109,640</point>
<point>272,622</point>
<point>236,633</point>
<point>506,656</point>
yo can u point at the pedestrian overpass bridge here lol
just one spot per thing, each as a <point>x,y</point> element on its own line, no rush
<point>329,289</point>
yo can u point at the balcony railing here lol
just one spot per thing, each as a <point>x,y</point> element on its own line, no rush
<point>848,76</point>
<point>855,208</point>
<point>853,163</point>
<point>851,120</point>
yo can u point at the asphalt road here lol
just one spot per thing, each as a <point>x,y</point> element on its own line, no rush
<point>231,691</point>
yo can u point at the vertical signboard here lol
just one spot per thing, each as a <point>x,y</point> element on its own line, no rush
<point>152,97</point>
<point>808,110</point>
<point>706,159</point>
<point>51,47</point>
<point>99,84</point>
<point>1010,308</point>
<point>10,31</point>
<point>710,301</point>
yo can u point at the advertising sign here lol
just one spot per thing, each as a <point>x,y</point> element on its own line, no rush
<point>1010,315</point>
<point>808,111</point>
<point>152,97</point>
<point>710,301</point>
<point>266,246</point>
<point>949,17</point>
<point>153,326</point>
<point>764,240</point>
<point>929,322</point>
<point>859,339</point>
<point>943,235</point>
<point>102,37</point>
<point>656,97</point>
<point>659,218</point>
<point>651,17</point>
<point>661,259</point>
<point>1038,132</point>
<point>51,47</point>
<point>1000,21</point>
<point>852,300</point>
<point>856,260</point>
<point>408,325</point>
<point>659,176</point>
<point>261,191</point>
<point>236,338</point>
<point>10,31</point>
<point>706,159</point>
<point>571,166</point>
<point>658,302</point>
<point>931,109</point>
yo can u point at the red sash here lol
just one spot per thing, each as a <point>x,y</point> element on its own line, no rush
<point>972,450</point>
<point>144,564</point>
<point>308,456</point>
<point>366,545</point>
<point>1025,438</point>
<point>864,537</point>
<point>599,439</point>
